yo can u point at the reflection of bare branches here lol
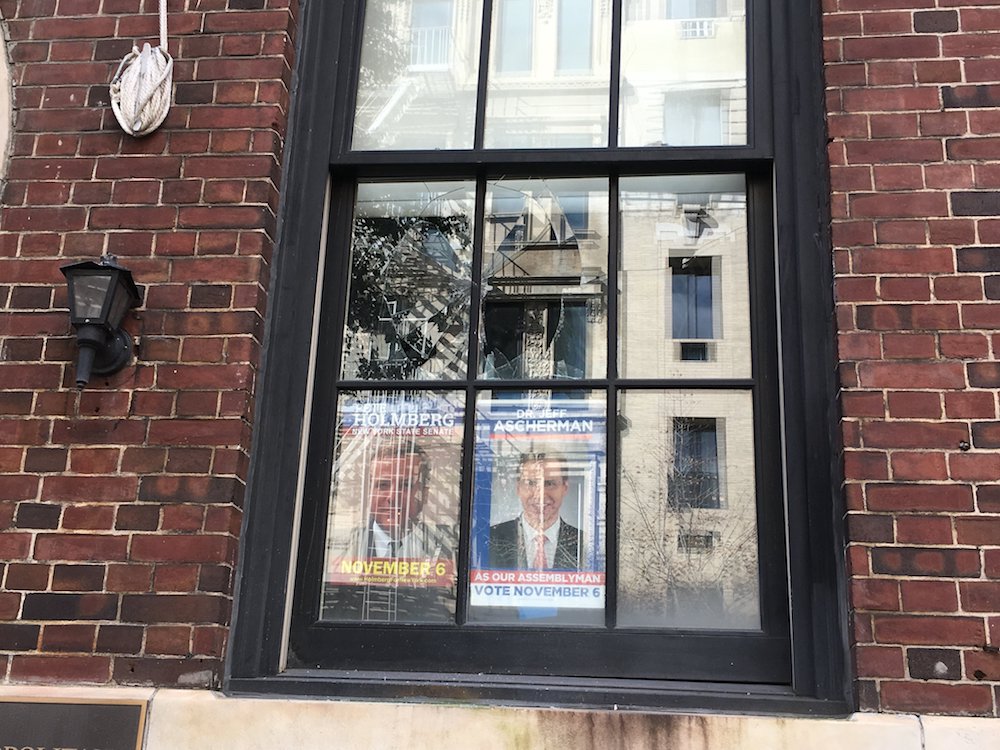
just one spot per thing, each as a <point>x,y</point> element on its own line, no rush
<point>687,560</point>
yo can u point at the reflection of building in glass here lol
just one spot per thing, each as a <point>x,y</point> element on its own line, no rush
<point>683,73</point>
<point>684,252</point>
<point>687,514</point>
<point>407,315</point>
<point>545,268</point>
<point>419,67</point>
<point>549,74</point>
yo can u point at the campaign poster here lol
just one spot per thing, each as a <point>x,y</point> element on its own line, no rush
<point>392,532</point>
<point>538,514</point>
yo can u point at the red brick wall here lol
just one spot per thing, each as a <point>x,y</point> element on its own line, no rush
<point>914,119</point>
<point>120,508</point>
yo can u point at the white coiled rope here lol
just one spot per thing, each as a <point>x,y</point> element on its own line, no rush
<point>141,89</point>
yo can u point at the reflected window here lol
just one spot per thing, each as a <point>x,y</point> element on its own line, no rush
<point>691,118</point>
<point>513,38</point>
<point>575,33</point>
<point>694,473</point>
<point>430,33</point>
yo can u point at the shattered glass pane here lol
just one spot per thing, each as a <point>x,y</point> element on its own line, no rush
<point>411,257</point>
<point>687,548</point>
<point>545,269</point>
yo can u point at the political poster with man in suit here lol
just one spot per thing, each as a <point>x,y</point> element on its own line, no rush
<point>538,516</point>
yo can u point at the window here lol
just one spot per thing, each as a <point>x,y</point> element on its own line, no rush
<point>542,441</point>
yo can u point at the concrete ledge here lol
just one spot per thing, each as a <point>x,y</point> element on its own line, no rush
<point>185,720</point>
<point>958,733</point>
<point>195,719</point>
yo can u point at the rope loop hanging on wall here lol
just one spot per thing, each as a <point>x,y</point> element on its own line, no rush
<point>142,86</point>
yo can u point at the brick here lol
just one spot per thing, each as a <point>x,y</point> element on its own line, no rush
<point>913,434</point>
<point>69,637</point>
<point>37,516</point>
<point>181,671</point>
<point>978,259</point>
<point>926,497</point>
<point>986,434</point>
<point>984,374</point>
<point>879,661</point>
<point>80,547</point>
<point>875,594</point>
<point>934,663</point>
<point>78,577</point>
<point>928,630</point>
<point>56,606</point>
<point>925,561</point>
<point>928,596</point>
<point>980,596</point>
<point>918,465</point>
<point>988,498</point>
<point>49,669</point>
<point>18,637</point>
<point>982,665</point>
<point>914,404</point>
<point>179,608</point>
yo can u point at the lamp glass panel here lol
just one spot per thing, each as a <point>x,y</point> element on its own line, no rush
<point>120,302</point>
<point>88,294</point>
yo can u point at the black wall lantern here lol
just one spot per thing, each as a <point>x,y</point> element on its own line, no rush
<point>99,296</point>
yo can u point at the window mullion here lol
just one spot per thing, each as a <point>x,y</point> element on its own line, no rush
<point>468,443</point>
<point>484,67</point>
<point>611,436</point>
<point>615,82</point>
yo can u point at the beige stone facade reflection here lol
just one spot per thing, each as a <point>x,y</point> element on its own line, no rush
<point>682,566</point>
<point>665,219</point>
<point>683,78</point>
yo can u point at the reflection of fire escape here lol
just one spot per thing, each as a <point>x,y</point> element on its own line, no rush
<point>537,294</point>
<point>425,268</point>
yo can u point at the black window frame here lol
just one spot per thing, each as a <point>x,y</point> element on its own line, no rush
<point>802,664</point>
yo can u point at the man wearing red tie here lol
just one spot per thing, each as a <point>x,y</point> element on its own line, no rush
<point>538,539</point>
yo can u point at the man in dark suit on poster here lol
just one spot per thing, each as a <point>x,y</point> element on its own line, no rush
<point>538,539</point>
<point>396,490</point>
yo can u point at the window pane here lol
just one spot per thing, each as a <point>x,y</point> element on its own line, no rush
<point>392,530</point>
<point>538,514</point>
<point>411,254</point>
<point>548,84</point>
<point>683,73</point>
<point>684,286</point>
<point>545,268</point>
<point>418,77</point>
<point>687,514</point>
